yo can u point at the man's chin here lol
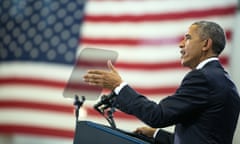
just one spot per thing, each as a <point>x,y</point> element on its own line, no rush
<point>184,63</point>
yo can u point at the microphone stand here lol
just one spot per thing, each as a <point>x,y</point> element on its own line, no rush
<point>110,118</point>
<point>77,103</point>
<point>108,115</point>
<point>106,103</point>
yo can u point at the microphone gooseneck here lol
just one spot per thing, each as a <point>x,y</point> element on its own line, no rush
<point>106,103</point>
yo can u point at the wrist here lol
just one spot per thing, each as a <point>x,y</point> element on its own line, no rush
<point>116,85</point>
<point>119,87</point>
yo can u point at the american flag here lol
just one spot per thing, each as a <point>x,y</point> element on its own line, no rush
<point>39,42</point>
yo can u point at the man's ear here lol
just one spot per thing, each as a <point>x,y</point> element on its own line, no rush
<point>207,44</point>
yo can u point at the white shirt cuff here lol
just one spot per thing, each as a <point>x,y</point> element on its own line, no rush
<point>118,89</point>
<point>155,133</point>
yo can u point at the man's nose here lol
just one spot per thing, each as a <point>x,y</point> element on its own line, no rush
<point>181,44</point>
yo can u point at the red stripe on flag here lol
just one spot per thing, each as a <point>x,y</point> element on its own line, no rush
<point>159,66</point>
<point>136,42</point>
<point>149,66</point>
<point>26,81</point>
<point>31,81</point>
<point>34,130</point>
<point>218,11</point>
<point>37,106</point>
<point>48,107</point>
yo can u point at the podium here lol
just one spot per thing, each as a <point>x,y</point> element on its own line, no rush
<point>88,132</point>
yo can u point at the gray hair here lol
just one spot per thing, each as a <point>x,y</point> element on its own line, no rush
<point>214,31</point>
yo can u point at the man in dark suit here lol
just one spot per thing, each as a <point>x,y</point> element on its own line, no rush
<point>205,107</point>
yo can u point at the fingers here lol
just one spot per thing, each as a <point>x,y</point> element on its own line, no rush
<point>111,67</point>
<point>109,79</point>
<point>93,75</point>
<point>138,131</point>
<point>100,72</point>
<point>93,78</point>
<point>145,131</point>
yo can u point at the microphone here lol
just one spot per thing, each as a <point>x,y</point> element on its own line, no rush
<point>105,100</point>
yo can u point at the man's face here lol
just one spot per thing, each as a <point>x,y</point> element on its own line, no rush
<point>191,48</point>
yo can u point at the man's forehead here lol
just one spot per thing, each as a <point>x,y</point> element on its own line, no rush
<point>191,29</point>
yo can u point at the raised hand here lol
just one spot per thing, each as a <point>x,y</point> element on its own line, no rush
<point>109,79</point>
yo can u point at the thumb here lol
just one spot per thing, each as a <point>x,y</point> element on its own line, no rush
<point>111,67</point>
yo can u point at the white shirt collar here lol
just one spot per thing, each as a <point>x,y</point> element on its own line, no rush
<point>203,63</point>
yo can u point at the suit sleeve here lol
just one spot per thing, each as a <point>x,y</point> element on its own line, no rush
<point>189,99</point>
<point>164,137</point>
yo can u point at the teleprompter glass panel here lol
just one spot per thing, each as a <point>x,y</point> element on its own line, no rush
<point>89,58</point>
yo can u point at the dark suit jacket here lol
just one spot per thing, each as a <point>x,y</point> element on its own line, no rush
<point>204,108</point>
<point>164,137</point>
